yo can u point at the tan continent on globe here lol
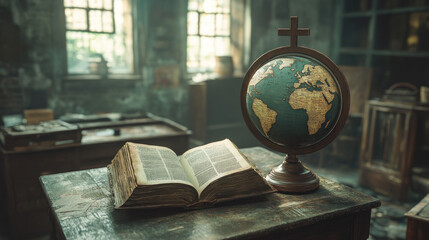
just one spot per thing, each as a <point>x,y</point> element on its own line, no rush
<point>316,103</point>
<point>266,116</point>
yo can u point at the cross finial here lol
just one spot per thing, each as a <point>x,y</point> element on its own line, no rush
<point>293,31</point>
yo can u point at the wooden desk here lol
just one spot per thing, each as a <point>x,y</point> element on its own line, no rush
<point>418,221</point>
<point>20,169</point>
<point>82,208</point>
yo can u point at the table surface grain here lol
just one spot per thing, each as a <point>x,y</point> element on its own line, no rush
<point>83,207</point>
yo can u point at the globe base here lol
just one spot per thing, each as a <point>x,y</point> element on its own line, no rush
<point>292,176</point>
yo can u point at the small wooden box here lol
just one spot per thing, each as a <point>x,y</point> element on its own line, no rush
<point>35,116</point>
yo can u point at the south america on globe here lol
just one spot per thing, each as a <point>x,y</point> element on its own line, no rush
<point>293,101</point>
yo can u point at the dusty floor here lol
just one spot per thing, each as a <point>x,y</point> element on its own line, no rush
<point>387,221</point>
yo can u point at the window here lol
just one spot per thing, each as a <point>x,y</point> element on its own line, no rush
<point>99,36</point>
<point>208,33</point>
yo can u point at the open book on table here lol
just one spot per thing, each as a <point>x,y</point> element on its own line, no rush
<point>146,176</point>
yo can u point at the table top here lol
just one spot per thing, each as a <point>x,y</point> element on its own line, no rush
<point>82,204</point>
<point>420,211</point>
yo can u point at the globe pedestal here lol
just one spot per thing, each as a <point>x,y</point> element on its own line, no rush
<point>292,176</point>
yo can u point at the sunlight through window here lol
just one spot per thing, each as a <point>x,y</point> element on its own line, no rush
<point>99,32</point>
<point>208,33</point>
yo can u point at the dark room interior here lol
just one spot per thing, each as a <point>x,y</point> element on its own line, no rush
<point>81,78</point>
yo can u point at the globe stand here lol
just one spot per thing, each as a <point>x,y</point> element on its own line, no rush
<point>292,176</point>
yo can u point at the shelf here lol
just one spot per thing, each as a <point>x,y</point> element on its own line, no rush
<point>402,10</point>
<point>365,20</point>
<point>391,53</point>
<point>387,36</point>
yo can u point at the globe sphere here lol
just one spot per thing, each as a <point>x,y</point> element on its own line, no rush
<point>293,101</point>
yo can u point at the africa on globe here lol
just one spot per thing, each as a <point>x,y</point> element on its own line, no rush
<point>293,101</point>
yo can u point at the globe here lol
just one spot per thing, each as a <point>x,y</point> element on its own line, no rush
<point>293,101</point>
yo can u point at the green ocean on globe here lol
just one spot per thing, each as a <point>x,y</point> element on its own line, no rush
<point>293,101</point>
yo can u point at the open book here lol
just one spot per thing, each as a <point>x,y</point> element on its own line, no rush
<point>146,176</point>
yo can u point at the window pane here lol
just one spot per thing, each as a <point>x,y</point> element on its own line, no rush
<point>222,46</point>
<point>193,23</point>
<point>107,4</point>
<point>222,24</point>
<point>75,3</point>
<point>193,51</point>
<point>207,24</point>
<point>207,52</point>
<point>75,19</point>
<point>208,6</point>
<point>107,21</point>
<point>95,21</point>
<point>77,52</point>
<point>223,6</point>
<point>95,3</point>
<point>193,5</point>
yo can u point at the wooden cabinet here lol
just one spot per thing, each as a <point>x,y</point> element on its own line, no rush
<point>215,112</point>
<point>392,145</point>
<point>25,205</point>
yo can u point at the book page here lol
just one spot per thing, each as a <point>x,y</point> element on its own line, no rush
<point>207,163</point>
<point>156,165</point>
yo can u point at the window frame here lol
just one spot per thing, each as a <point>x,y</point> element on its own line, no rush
<point>85,77</point>
<point>87,10</point>
<point>199,35</point>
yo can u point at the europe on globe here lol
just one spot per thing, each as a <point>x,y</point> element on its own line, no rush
<point>293,101</point>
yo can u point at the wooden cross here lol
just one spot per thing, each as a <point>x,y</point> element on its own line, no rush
<point>293,31</point>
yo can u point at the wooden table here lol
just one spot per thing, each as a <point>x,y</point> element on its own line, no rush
<point>82,208</point>
<point>418,221</point>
